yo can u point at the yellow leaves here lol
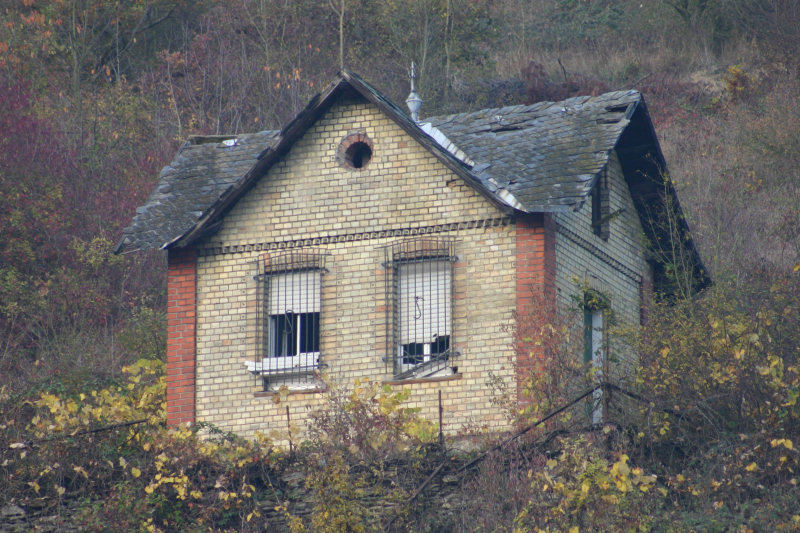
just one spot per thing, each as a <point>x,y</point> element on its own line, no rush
<point>135,472</point>
<point>225,495</point>
<point>80,470</point>
<point>140,397</point>
<point>34,486</point>
<point>786,443</point>
<point>621,467</point>
<point>610,499</point>
<point>182,433</point>
<point>60,490</point>
<point>752,467</point>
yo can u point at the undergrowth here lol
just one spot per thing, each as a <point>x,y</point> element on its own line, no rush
<point>713,446</point>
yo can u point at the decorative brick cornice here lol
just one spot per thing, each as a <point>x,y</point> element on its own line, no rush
<point>333,238</point>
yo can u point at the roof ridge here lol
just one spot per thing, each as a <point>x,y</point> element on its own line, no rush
<point>543,104</point>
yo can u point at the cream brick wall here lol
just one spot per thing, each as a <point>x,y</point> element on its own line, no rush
<point>309,195</point>
<point>582,255</point>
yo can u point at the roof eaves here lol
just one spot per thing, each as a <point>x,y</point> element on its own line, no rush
<point>266,158</point>
<point>700,271</point>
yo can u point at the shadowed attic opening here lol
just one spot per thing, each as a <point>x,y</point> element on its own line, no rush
<point>358,155</point>
<point>355,151</point>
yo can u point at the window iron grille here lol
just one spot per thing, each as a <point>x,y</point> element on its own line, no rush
<point>419,293</point>
<point>289,310</point>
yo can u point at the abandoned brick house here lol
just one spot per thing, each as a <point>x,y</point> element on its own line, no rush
<point>361,242</point>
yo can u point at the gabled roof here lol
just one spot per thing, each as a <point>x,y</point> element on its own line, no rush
<point>544,157</point>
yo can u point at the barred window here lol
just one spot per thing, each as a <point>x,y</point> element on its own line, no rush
<point>290,305</point>
<point>420,288</point>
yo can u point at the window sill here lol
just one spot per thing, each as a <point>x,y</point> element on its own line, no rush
<point>431,379</point>
<point>291,392</point>
<point>284,366</point>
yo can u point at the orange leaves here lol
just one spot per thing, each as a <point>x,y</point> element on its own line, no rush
<point>35,18</point>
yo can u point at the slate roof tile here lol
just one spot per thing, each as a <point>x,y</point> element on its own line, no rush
<point>545,154</point>
<point>198,175</point>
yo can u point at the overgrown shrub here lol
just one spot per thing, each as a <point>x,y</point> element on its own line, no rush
<point>104,457</point>
<point>364,454</point>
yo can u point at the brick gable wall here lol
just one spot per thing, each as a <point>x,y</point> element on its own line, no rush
<point>310,200</point>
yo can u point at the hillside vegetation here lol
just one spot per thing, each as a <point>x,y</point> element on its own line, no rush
<point>97,95</point>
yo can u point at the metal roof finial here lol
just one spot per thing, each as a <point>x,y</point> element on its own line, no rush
<point>414,102</point>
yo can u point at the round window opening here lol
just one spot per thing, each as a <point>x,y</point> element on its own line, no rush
<point>358,154</point>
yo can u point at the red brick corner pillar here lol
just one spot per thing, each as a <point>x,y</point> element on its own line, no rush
<point>536,291</point>
<point>181,314</point>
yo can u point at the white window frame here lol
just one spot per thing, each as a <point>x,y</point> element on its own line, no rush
<point>291,293</point>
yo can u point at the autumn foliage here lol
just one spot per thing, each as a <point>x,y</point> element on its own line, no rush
<point>97,95</point>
